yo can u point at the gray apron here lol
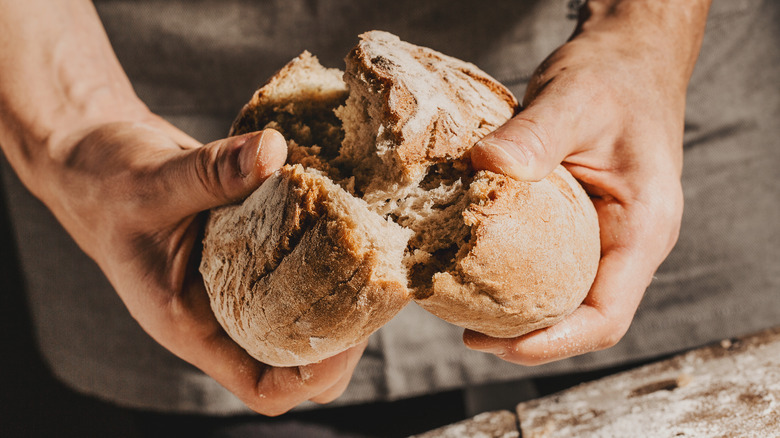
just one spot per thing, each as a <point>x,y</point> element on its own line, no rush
<point>196,63</point>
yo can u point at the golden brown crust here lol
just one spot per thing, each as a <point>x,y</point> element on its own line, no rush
<point>534,247</point>
<point>532,258</point>
<point>434,107</point>
<point>299,91</point>
<point>286,268</point>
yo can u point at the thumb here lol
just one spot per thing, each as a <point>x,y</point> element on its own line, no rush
<point>224,171</point>
<point>527,147</point>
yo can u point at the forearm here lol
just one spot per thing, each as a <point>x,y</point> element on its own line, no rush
<point>58,77</point>
<point>667,31</point>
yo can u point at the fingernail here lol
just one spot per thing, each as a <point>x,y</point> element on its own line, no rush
<point>479,342</point>
<point>247,157</point>
<point>506,156</point>
<point>262,154</point>
<point>491,349</point>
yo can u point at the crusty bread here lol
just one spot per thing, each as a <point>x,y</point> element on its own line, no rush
<point>410,107</point>
<point>477,249</point>
<point>298,101</point>
<point>532,257</point>
<point>299,261</point>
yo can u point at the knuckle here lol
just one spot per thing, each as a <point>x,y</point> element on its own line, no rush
<point>271,403</point>
<point>528,355</point>
<point>183,324</point>
<point>674,215</point>
<point>207,171</point>
<point>282,389</point>
<point>671,205</point>
<point>661,212</point>
<point>610,340</point>
<point>541,143</point>
<point>271,409</point>
<point>614,334</point>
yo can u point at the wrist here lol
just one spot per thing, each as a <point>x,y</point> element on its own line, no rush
<point>41,148</point>
<point>83,114</point>
<point>667,33</point>
<point>61,82</point>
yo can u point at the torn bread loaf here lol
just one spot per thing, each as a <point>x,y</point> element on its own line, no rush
<point>301,270</point>
<point>478,249</point>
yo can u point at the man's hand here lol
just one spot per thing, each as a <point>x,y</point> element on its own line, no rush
<point>129,188</point>
<point>609,105</point>
<point>130,195</point>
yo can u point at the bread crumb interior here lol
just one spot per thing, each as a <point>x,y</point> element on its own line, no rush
<point>431,208</point>
<point>336,130</point>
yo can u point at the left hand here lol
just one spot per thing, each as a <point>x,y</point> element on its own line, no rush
<point>610,108</point>
<point>129,188</point>
<point>131,195</point>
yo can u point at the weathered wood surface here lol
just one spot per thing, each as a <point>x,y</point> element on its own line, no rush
<point>497,424</point>
<point>726,390</point>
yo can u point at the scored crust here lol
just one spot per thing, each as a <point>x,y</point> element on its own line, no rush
<point>478,249</point>
<point>298,261</point>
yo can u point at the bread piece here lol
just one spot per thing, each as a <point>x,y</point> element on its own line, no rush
<point>492,254</point>
<point>298,101</point>
<point>480,250</point>
<point>533,254</point>
<point>410,107</point>
<point>301,270</point>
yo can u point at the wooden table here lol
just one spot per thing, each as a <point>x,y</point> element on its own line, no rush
<point>728,389</point>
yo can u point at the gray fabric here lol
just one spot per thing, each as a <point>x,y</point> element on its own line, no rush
<point>197,62</point>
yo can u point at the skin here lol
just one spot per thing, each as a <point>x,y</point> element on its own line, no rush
<point>130,188</point>
<point>608,105</point>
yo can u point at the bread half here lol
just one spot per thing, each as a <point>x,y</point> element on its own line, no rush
<point>301,270</point>
<point>532,255</point>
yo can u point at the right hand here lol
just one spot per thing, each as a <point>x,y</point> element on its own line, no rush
<point>130,194</point>
<point>584,109</point>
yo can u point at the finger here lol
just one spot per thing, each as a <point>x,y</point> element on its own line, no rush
<point>220,172</point>
<point>635,237</point>
<point>193,333</point>
<point>523,148</point>
<point>559,122</point>
<point>600,322</point>
<point>265,389</point>
<point>289,387</point>
<point>337,389</point>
